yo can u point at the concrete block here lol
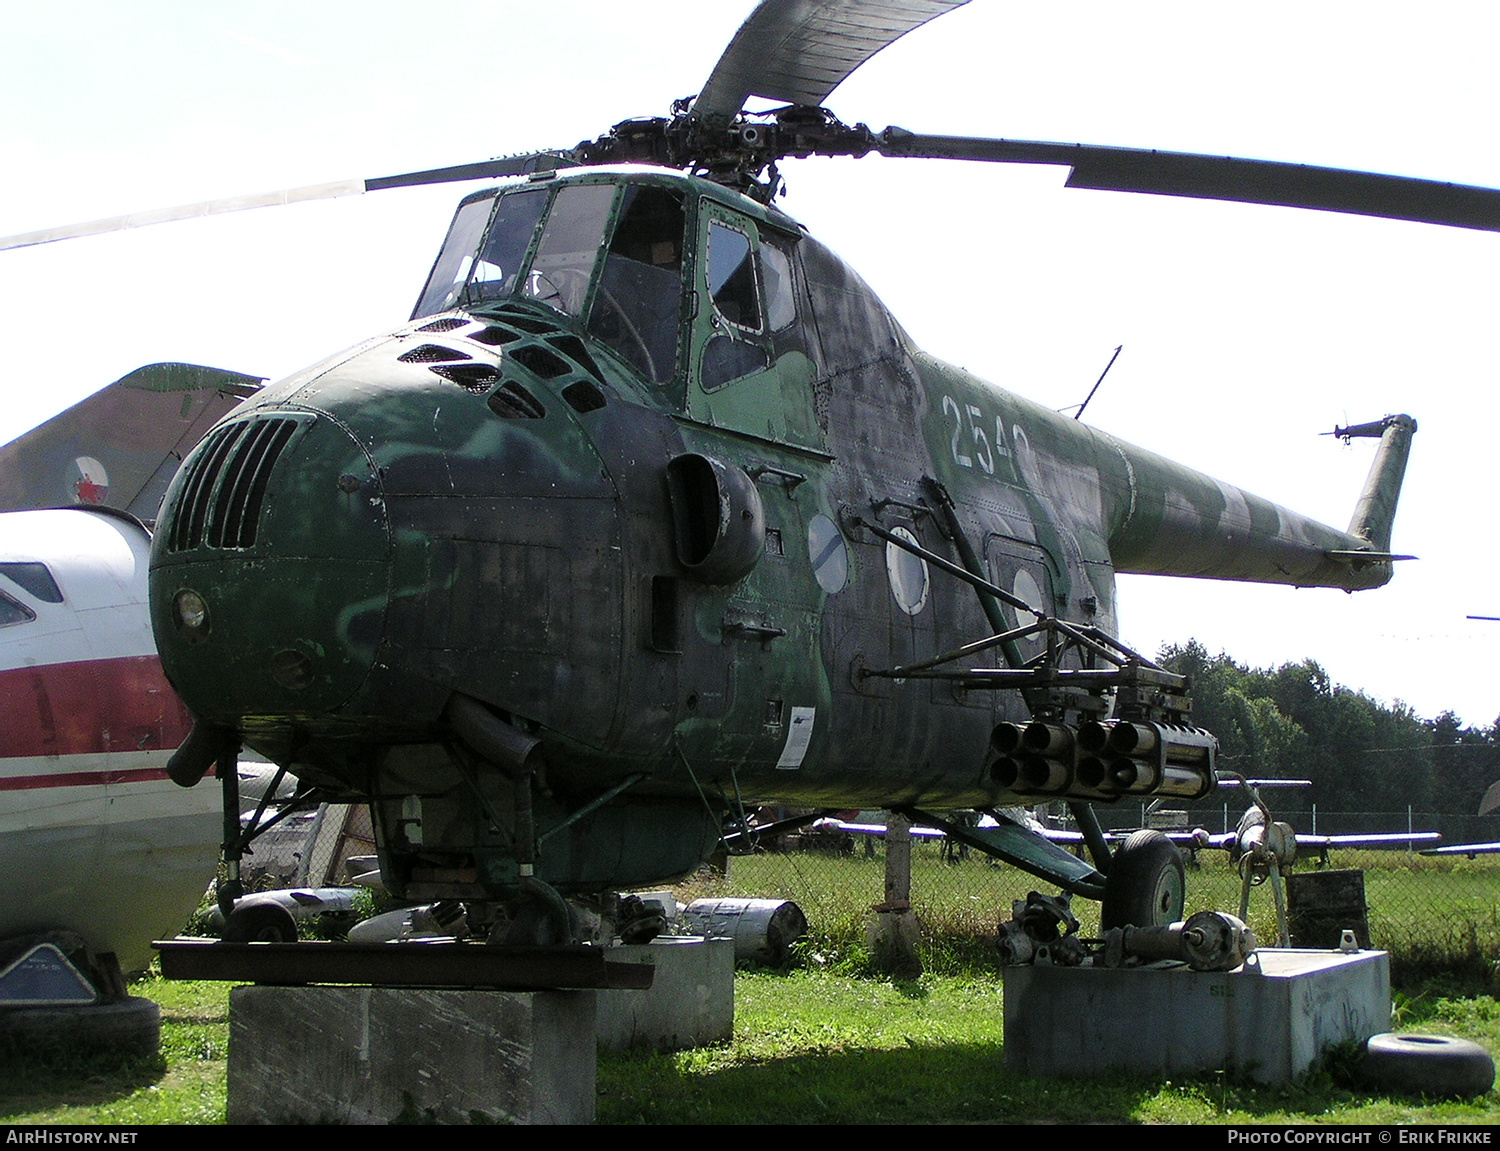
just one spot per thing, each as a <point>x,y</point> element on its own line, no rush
<point>1269,1020</point>
<point>368,1054</point>
<point>690,1003</point>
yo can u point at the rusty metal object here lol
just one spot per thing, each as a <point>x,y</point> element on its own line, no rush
<point>1207,941</point>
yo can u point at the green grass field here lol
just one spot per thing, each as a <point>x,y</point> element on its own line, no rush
<point>829,1042</point>
<point>810,1046</point>
<point>1436,916</point>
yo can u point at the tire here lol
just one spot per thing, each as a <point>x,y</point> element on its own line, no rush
<point>1146,885</point>
<point>260,923</point>
<point>1435,1065</point>
<point>129,1026</point>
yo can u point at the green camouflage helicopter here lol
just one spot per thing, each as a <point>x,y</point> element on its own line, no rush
<point>653,514</point>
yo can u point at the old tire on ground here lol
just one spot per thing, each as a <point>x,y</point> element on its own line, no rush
<point>130,1026</point>
<point>1146,885</point>
<point>260,923</point>
<point>1436,1065</point>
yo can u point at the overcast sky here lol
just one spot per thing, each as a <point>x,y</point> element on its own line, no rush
<point>1247,330</point>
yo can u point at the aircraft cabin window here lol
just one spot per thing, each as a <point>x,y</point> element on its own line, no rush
<point>781,298</point>
<point>638,308</point>
<point>564,260</point>
<point>451,272</point>
<point>33,578</point>
<point>516,217</point>
<point>12,612</point>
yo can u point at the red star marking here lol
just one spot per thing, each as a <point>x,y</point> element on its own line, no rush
<point>88,491</point>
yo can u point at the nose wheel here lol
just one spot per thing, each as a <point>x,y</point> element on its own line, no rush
<point>260,923</point>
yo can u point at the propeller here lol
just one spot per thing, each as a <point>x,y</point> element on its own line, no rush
<point>800,51</point>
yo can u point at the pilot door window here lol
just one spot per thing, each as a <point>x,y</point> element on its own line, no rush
<point>637,310</point>
<point>754,305</point>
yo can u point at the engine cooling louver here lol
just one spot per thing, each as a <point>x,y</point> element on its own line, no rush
<point>221,502</point>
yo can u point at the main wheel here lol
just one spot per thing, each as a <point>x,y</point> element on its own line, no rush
<point>1146,885</point>
<point>260,923</point>
<point>1428,1065</point>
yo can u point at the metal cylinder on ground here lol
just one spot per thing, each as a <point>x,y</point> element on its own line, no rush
<point>763,930</point>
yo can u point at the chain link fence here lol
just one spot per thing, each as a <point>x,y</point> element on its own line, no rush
<point>1433,914</point>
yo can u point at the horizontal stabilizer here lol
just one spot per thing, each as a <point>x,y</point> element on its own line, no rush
<point>1354,556</point>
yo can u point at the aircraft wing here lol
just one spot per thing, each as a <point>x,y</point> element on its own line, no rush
<point>1469,849</point>
<point>1382,840</point>
<point>121,446</point>
<point>877,829</point>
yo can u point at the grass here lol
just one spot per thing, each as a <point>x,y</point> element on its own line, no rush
<point>183,1084</point>
<point>815,1047</point>
<point>809,1046</point>
<point>1438,917</point>
<point>829,1042</point>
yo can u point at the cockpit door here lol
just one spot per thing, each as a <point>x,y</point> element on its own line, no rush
<point>749,364</point>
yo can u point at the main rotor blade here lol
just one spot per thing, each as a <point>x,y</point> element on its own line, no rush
<point>801,50</point>
<point>1222,178</point>
<point>484,170</point>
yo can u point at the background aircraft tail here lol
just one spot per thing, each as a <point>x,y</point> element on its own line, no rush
<point>121,446</point>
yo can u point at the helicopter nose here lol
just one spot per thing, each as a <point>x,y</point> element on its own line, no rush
<point>270,568</point>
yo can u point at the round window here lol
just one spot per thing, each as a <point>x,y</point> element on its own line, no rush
<point>828,554</point>
<point>907,573</point>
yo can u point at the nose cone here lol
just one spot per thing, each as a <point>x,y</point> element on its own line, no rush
<point>270,568</point>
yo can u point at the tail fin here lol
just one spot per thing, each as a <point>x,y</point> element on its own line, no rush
<point>121,446</point>
<point>1376,510</point>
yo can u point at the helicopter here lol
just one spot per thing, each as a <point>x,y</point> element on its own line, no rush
<point>611,636</point>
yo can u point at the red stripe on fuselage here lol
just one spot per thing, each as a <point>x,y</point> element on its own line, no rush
<point>89,708</point>
<point>82,779</point>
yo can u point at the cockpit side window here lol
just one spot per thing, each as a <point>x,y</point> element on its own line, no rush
<point>564,261</point>
<point>33,578</point>
<point>637,309</point>
<point>13,611</point>
<point>451,271</point>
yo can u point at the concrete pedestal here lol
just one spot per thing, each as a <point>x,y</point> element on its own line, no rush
<point>369,1054</point>
<point>1270,1020</point>
<point>690,1002</point>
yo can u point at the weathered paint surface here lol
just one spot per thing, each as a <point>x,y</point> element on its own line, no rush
<point>479,504</point>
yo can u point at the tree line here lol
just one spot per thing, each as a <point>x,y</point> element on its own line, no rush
<point>1294,722</point>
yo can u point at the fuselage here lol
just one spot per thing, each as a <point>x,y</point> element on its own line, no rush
<point>607,484</point>
<point>94,838</point>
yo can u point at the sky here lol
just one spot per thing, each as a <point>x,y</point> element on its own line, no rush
<point>1247,330</point>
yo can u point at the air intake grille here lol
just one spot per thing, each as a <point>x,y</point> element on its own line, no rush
<point>221,501</point>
